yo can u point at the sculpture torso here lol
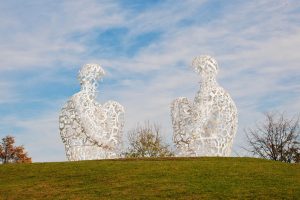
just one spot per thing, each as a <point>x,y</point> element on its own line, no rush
<point>207,126</point>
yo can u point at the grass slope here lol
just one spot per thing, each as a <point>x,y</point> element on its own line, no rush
<point>173,178</point>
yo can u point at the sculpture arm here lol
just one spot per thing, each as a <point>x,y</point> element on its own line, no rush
<point>181,113</point>
<point>114,120</point>
<point>92,120</point>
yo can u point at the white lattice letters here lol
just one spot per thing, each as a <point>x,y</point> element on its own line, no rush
<point>207,126</point>
<point>88,129</point>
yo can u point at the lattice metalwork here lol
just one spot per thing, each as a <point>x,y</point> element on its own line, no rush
<point>207,126</point>
<point>88,129</point>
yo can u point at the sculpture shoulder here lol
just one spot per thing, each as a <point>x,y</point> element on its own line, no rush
<point>113,104</point>
<point>75,104</point>
<point>180,100</point>
<point>223,98</point>
<point>81,101</point>
<point>67,107</point>
<point>79,96</point>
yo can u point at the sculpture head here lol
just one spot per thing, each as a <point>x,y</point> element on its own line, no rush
<point>205,65</point>
<point>90,74</point>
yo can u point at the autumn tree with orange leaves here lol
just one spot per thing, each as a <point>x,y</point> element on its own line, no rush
<point>12,154</point>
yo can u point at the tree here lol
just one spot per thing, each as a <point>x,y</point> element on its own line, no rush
<point>276,139</point>
<point>145,141</point>
<point>12,154</point>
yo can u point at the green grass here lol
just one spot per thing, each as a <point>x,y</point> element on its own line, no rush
<point>173,178</point>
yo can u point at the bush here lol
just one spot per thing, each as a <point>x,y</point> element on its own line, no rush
<point>146,141</point>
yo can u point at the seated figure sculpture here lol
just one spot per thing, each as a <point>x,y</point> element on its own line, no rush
<point>88,129</point>
<point>207,126</point>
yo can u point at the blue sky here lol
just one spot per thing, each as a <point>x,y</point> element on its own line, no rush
<point>146,48</point>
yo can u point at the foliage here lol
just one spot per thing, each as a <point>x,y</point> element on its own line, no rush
<point>146,141</point>
<point>276,139</point>
<point>12,154</point>
<point>152,178</point>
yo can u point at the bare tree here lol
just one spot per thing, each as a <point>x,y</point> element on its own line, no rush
<point>145,141</point>
<point>12,154</point>
<point>276,139</point>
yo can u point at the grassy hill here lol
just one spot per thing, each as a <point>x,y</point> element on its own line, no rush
<point>173,178</point>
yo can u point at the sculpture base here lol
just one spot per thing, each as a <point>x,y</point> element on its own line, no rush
<point>77,153</point>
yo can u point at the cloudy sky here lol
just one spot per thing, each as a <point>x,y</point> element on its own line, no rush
<point>146,48</point>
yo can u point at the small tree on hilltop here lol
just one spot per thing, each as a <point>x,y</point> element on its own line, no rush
<point>145,141</point>
<point>278,138</point>
<point>12,154</point>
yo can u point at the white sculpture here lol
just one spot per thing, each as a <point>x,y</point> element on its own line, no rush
<point>88,129</point>
<point>207,126</point>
